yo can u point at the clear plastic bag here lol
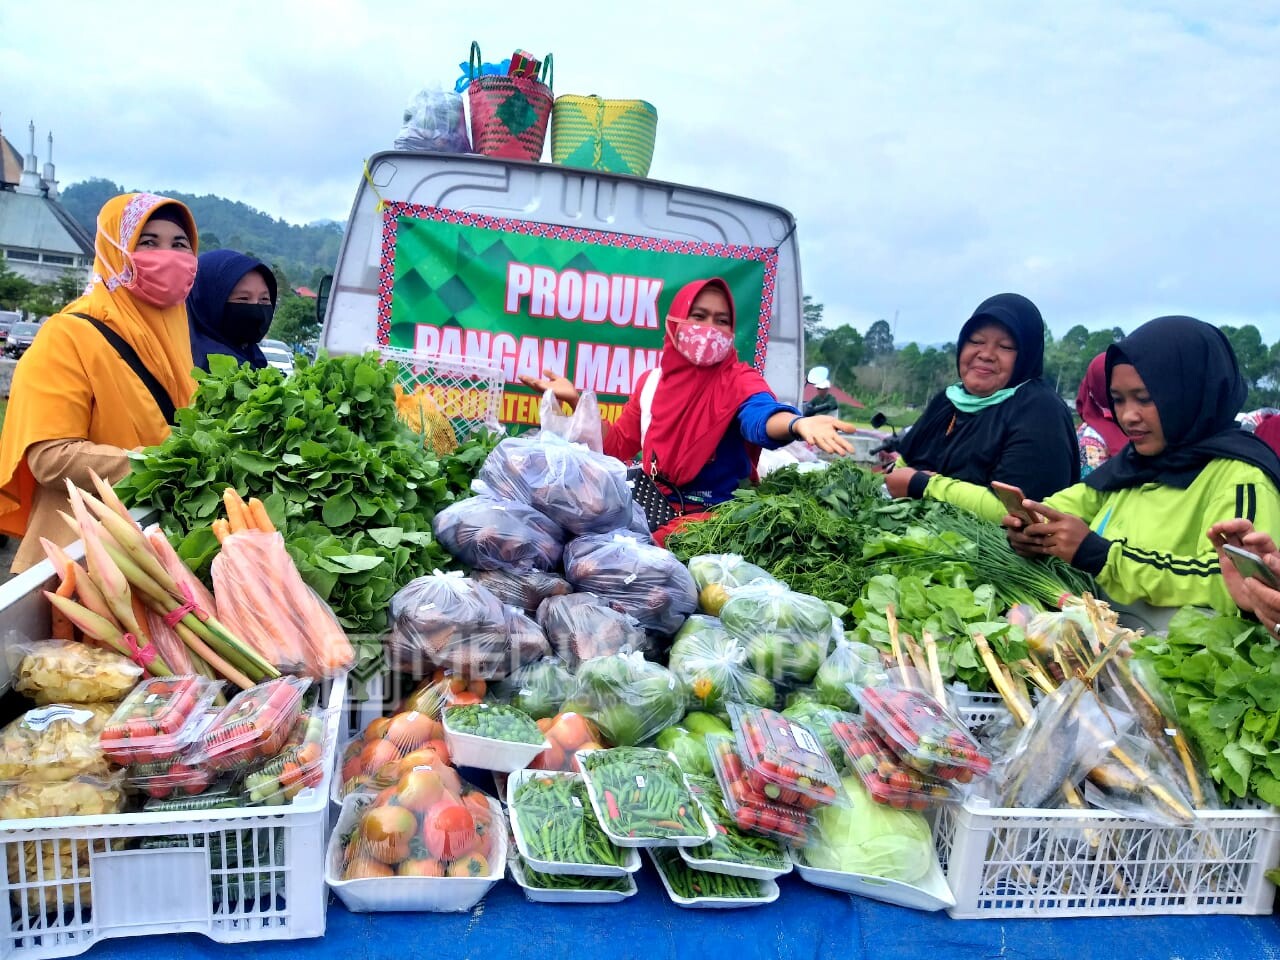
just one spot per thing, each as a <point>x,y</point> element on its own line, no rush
<point>1135,780</point>
<point>446,620</point>
<point>489,534</point>
<point>64,671</point>
<point>526,641</point>
<point>711,665</point>
<point>55,743</point>
<point>581,626</point>
<point>636,577</point>
<point>582,426</point>
<point>525,589</point>
<point>539,688</point>
<point>434,122</point>
<point>728,570</point>
<point>849,663</point>
<point>583,491</point>
<point>391,746</point>
<point>787,634</point>
<point>263,600</point>
<point>628,698</point>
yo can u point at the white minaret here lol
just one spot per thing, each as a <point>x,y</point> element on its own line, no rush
<point>30,183</point>
<point>50,180</point>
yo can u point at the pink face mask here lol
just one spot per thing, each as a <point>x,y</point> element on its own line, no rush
<point>702,344</point>
<point>163,278</point>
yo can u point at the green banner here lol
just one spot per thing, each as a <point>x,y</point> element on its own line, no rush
<point>527,297</point>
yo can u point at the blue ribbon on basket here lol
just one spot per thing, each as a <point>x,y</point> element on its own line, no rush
<point>486,69</point>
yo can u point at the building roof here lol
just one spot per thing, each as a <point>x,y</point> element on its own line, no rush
<point>10,164</point>
<point>305,292</point>
<point>810,391</point>
<point>38,223</point>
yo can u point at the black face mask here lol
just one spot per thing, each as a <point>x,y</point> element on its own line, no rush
<point>244,323</point>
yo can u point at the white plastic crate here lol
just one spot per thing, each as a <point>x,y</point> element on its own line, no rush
<point>1093,863</point>
<point>975,707</point>
<point>243,874</point>
<point>467,392</point>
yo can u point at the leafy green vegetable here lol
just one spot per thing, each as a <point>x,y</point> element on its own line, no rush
<point>1223,676</point>
<point>353,490</point>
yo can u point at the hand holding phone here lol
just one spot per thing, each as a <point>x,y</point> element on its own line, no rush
<point>1012,498</point>
<point>1251,565</point>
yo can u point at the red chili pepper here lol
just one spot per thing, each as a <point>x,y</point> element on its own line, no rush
<point>611,805</point>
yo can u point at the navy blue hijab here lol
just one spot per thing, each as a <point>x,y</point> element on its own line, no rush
<point>217,274</point>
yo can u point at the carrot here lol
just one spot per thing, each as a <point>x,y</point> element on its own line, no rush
<point>60,625</point>
<point>235,508</point>
<point>258,516</point>
<point>221,530</point>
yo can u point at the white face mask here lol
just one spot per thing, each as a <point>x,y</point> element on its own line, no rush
<point>702,344</point>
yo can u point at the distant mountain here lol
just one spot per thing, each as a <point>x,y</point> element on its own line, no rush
<point>303,253</point>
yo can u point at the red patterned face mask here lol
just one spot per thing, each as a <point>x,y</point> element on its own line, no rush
<point>163,277</point>
<point>702,344</point>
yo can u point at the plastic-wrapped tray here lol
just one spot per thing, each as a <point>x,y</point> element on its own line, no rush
<point>923,732</point>
<point>298,766</point>
<point>772,859</point>
<point>489,753</point>
<point>931,893</point>
<point>646,758</point>
<point>782,759</point>
<point>159,719</point>
<point>753,812</point>
<point>224,793</point>
<point>670,866</point>
<point>886,779</point>
<point>253,726</point>
<point>630,858</point>
<point>538,894</point>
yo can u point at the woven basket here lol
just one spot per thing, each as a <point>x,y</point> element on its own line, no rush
<point>509,115</point>
<point>616,136</point>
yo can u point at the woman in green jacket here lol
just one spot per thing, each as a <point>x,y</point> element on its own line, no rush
<point>1138,522</point>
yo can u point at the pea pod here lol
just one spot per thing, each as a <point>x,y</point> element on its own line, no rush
<point>558,825</point>
<point>641,794</point>
<point>691,884</point>
<point>496,721</point>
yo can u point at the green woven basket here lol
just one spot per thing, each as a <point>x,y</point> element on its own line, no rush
<point>616,136</point>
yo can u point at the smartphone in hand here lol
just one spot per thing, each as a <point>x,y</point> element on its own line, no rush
<point>1251,565</point>
<point>1012,499</point>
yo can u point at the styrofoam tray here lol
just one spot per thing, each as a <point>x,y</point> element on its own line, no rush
<point>514,782</point>
<point>425,894</point>
<point>486,753</point>
<point>543,895</point>
<point>733,869</point>
<point>621,841</point>
<point>930,893</point>
<point>768,894</point>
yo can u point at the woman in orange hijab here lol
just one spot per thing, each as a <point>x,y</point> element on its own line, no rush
<point>104,375</point>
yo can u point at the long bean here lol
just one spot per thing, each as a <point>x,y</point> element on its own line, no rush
<point>558,824</point>
<point>641,793</point>
<point>693,884</point>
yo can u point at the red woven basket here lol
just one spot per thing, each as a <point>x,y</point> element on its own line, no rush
<point>509,115</point>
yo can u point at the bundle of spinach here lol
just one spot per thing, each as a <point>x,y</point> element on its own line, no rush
<point>353,491</point>
<point>1223,676</point>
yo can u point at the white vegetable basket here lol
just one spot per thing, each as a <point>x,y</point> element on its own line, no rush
<point>468,393</point>
<point>237,875</point>
<point>1094,863</point>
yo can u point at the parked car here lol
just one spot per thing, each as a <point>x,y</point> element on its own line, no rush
<point>20,337</point>
<point>7,319</point>
<point>279,355</point>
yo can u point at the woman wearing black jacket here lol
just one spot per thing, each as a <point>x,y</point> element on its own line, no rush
<point>1001,421</point>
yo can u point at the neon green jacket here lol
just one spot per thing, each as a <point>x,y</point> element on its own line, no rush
<point>1148,542</point>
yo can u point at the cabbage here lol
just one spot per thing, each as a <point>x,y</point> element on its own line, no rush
<point>871,839</point>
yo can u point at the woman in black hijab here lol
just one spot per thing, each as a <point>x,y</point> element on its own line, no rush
<point>1138,522</point>
<point>1000,422</point>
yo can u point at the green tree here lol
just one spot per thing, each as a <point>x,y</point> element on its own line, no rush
<point>69,286</point>
<point>295,320</point>
<point>812,313</point>
<point>1251,353</point>
<point>14,288</point>
<point>841,350</point>
<point>878,342</point>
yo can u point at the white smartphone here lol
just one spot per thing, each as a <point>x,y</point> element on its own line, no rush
<point>1251,565</point>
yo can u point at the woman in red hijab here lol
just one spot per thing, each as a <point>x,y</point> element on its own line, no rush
<point>700,419</point>
<point>1098,436</point>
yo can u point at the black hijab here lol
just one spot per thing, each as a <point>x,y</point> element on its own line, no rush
<point>1174,356</point>
<point>974,447</point>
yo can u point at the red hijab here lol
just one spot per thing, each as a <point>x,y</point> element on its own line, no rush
<point>694,406</point>
<point>1093,405</point>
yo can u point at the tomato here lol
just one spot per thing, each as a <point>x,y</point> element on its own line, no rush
<point>472,865</point>
<point>571,731</point>
<point>385,833</point>
<point>448,829</point>
<point>478,687</point>
<point>363,868</point>
<point>420,868</point>
<point>409,731</point>
<point>353,767</point>
<point>745,818</point>
<point>378,754</point>
<point>377,728</point>
<point>465,697</point>
<point>419,789</point>
<point>442,749</point>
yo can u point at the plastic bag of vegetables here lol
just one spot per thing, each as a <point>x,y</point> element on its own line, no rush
<point>711,665</point>
<point>525,589</point>
<point>636,577</point>
<point>850,662</point>
<point>445,620</point>
<point>490,534</point>
<point>716,574</point>
<point>537,688</point>
<point>787,634</point>
<point>583,491</point>
<point>526,641</point>
<point>62,671</point>
<point>581,626</point>
<point>628,698</point>
<point>871,839</point>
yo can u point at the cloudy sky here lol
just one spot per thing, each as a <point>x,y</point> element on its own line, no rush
<point>1111,160</point>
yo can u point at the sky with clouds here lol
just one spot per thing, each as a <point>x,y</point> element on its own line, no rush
<point>1111,160</point>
